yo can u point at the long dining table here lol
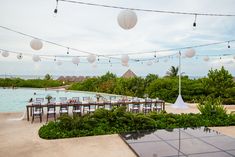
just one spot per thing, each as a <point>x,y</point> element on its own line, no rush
<point>111,103</point>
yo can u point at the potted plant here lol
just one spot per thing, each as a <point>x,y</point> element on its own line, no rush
<point>48,97</point>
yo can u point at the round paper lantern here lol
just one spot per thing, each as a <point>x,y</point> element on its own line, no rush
<point>91,58</point>
<point>125,64</point>
<point>36,58</point>
<point>5,54</point>
<point>125,59</point>
<point>75,60</point>
<point>19,56</point>
<point>36,44</point>
<point>190,53</point>
<point>149,63</point>
<point>127,19</point>
<point>94,65</point>
<point>59,63</point>
<point>206,58</point>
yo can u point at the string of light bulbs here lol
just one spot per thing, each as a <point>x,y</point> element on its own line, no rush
<point>112,55</point>
<point>58,57</point>
<point>144,10</point>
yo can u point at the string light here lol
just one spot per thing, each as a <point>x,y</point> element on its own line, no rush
<point>146,10</point>
<point>195,20</point>
<point>56,8</point>
<point>67,50</point>
<point>110,55</point>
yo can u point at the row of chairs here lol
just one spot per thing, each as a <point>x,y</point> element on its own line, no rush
<point>73,99</point>
<point>79,108</point>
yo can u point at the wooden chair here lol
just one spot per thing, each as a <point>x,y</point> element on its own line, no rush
<point>51,111</point>
<point>41,100</point>
<point>36,111</point>
<point>135,108</point>
<point>75,100</point>
<point>157,106</point>
<point>147,106</point>
<point>77,109</point>
<point>63,99</point>
<point>89,108</point>
<point>64,109</point>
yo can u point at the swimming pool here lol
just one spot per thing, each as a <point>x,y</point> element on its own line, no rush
<point>15,100</point>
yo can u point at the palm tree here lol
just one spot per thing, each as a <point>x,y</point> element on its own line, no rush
<point>173,71</point>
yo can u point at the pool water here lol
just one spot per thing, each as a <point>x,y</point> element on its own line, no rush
<point>15,100</point>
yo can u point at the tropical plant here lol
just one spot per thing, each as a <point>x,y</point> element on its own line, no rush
<point>211,108</point>
<point>172,72</point>
<point>218,82</point>
<point>48,77</point>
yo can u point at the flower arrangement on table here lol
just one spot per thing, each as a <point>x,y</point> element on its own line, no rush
<point>98,96</point>
<point>48,97</point>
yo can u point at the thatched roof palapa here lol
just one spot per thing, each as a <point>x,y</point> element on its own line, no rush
<point>129,74</point>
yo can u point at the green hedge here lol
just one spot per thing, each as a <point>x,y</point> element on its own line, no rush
<point>118,120</point>
<point>33,83</point>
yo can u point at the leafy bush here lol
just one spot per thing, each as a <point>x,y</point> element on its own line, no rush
<point>118,120</point>
<point>212,108</point>
<point>34,83</point>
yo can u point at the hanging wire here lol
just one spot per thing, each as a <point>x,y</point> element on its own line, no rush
<point>146,10</point>
<point>47,41</point>
<point>117,54</point>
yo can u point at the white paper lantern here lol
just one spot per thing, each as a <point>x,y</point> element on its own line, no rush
<point>19,56</point>
<point>59,63</point>
<point>36,58</point>
<point>206,59</point>
<point>75,60</point>
<point>36,44</point>
<point>125,59</point>
<point>5,54</point>
<point>91,58</point>
<point>127,19</point>
<point>125,64</point>
<point>149,63</point>
<point>94,65</point>
<point>190,53</point>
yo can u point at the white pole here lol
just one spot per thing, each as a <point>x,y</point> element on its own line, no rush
<point>179,73</point>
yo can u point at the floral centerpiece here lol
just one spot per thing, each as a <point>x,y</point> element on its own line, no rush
<point>98,96</point>
<point>48,97</point>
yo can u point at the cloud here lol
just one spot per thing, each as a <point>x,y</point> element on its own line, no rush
<point>96,30</point>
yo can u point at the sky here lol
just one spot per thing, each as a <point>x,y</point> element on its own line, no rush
<point>95,29</point>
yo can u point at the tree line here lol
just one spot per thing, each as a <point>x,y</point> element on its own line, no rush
<point>218,83</point>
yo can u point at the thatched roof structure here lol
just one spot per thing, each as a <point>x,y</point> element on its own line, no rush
<point>129,74</point>
<point>73,78</point>
<point>61,78</point>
